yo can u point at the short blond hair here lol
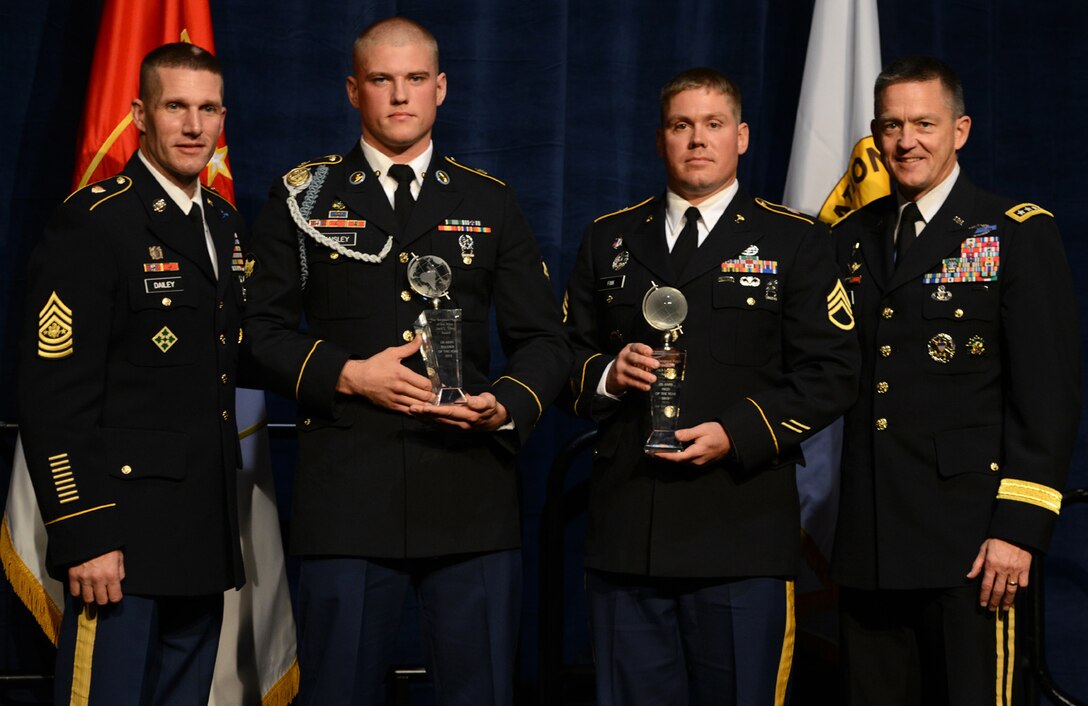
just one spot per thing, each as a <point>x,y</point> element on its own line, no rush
<point>397,31</point>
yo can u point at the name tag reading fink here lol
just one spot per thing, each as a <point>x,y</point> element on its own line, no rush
<point>163,284</point>
<point>605,284</point>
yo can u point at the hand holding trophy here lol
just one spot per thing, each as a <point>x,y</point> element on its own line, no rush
<point>430,276</point>
<point>665,308</point>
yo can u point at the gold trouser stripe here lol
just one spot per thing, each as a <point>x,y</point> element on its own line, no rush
<point>785,662</point>
<point>769,427</point>
<point>302,370</point>
<point>81,668</point>
<point>251,430</point>
<point>1005,644</point>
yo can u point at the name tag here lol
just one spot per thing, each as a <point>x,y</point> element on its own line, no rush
<point>347,239</point>
<point>163,284</point>
<point>605,284</point>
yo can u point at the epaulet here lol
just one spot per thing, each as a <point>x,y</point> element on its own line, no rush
<point>301,174</point>
<point>623,210</point>
<point>784,210</point>
<point>215,192</point>
<point>1022,212</point>
<point>481,172</point>
<point>102,191</point>
<point>842,219</point>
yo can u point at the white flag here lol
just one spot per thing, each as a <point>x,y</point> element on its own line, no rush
<point>834,168</point>
<point>256,660</point>
<point>835,109</point>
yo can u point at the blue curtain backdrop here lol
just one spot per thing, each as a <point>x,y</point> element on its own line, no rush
<point>559,99</point>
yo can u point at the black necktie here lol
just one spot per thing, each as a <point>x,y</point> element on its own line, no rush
<point>906,233</point>
<point>687,242</point>
<point>402,199</point>
<point>196,217</point>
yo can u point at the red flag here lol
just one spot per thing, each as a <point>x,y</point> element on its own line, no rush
<point>128,31</point>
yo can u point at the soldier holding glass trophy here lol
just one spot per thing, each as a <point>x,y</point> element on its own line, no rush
<point>711,337</point>
<point>373,275</point>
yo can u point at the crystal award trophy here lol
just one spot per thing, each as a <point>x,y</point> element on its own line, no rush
<point>665,308</point>
<point>430,276</point>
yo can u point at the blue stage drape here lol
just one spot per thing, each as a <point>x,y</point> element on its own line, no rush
<point>559,99</point>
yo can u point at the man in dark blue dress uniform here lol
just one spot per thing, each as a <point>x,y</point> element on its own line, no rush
<point>126,390</point>
<point>391,492</point>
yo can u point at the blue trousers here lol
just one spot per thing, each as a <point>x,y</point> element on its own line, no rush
<point>679,642</point>
<point>139,652</point>
<point>349,616</point>
<point>927,647</point>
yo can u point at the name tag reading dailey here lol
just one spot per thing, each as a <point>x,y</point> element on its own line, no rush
<point>162,284</point>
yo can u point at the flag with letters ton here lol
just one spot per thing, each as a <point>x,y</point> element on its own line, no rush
<point>831,139</point>
<point>256,662</point>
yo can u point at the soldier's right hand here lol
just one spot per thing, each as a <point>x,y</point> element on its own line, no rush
<point>385,381</point>
<point>631,369</point>
<point>98,580</point>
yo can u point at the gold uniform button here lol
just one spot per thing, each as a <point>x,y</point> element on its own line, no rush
<point>167,301</point>
<point>881,424</point>
<point>406,296</point>
<point>403,257</point>
<point>334,256</point>
<point>408,335</point>
<point>888,312</point>
<point>223,378</point>
<point>126,470</point>
<point>958,313</point>
<point>994,466</point>
<point>881,387</point>
<point>223,338</point>
<point>226,415</point>
<point>885,351</point>
<point>751,301</point>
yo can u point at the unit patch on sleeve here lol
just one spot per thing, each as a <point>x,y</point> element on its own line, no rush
<point>55,329</point>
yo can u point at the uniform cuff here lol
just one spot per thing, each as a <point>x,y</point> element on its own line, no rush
<point>521,402</point>
<point>753,438</point>
<point>1023,524</point>
<point>80,536</point>
<point>318,375</point>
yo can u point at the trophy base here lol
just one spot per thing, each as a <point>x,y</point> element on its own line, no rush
<point>451,395</point>
<point>662,441</point>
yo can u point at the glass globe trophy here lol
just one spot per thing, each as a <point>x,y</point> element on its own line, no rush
<point>430,276</point>
<point>665,308</point>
